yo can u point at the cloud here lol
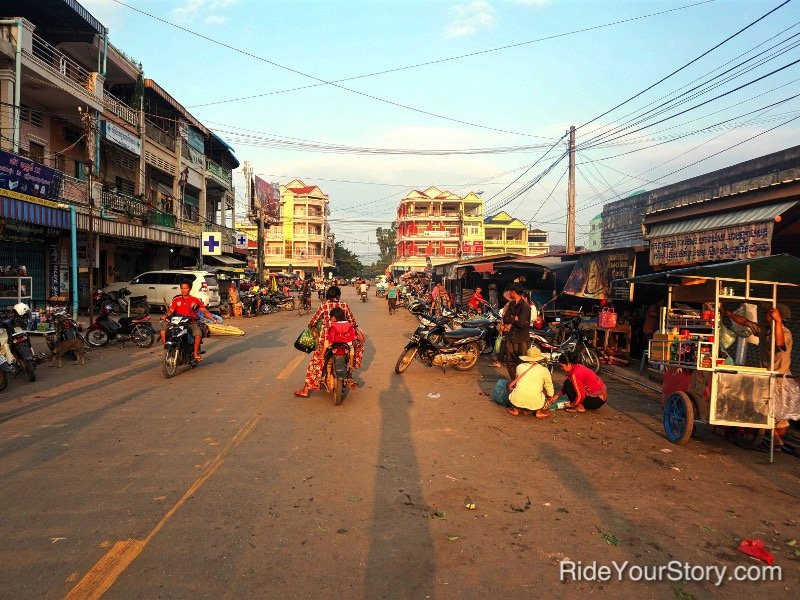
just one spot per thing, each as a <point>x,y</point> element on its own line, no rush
<point>532,2</point>
<point>469,18</point>
<point>211,11</point>
<point>108,12</point>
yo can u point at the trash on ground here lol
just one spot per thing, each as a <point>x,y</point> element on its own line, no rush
<point>755,548</point>
<point>432,396</point>
<point>666,450</point>
<point>469,503</point>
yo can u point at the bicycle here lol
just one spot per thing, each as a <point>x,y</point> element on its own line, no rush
<point>304,306</point>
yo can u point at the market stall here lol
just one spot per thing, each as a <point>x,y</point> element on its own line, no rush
<point>702,380</point>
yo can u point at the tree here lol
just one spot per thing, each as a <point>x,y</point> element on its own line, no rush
<point>386,243</point>
<point>347,263</point>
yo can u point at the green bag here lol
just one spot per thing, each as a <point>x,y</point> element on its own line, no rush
<point>306,341</point>
<point>498,344</point>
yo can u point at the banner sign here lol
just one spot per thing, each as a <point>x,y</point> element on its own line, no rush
<point>121,137</point>
<point>728,243</point>
<point>593,274</point>
<point>268,195</point>
<point>241,240</point>
<point>211,243</point>
<point>472,249</point>
<point>437,233</point>
<point>25,179</point>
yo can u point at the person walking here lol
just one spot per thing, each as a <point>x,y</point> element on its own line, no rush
<point>323,314</point>
<point>391,297</point>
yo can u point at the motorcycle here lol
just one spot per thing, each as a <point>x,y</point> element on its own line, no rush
<point>64,328</point>
<point>487,324</point>
<point>459,348</point>
<point>281,301</point>
<point>16,353</point>
<point>335,371</point>
<point>179,347</point>
<point>121,302</point>
<point>363,296</point>
<point>249,304</point>
<point>573,342</point>
<point>104,329</point>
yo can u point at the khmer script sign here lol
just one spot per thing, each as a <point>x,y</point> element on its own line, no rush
<point>728,243</point>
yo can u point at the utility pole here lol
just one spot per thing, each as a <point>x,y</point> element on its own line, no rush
<point>89,130</point>
<point>459,250</point>
<point>571,194</point>
<point>256,214</point>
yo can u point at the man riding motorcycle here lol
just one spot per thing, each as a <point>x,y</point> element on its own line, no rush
<point>185,305</point>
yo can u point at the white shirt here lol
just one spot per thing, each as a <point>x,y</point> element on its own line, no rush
<point>362,288</point>
<point>532,390</point>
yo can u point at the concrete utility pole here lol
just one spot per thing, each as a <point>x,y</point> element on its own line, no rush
<point>256,214</point>
<point>89,131</point>
<point>571,194</point>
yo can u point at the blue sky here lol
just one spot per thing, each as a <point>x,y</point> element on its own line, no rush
<point>510,75</point>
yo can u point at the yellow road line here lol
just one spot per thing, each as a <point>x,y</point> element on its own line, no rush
<point>287,370</point>
<point>108,569</point>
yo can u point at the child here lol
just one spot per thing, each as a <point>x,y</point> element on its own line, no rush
<point>341,331</point>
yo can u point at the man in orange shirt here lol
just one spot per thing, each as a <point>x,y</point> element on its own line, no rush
<point>185,305</point>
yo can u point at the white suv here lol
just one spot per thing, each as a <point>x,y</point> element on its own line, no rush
<point>161,287</point>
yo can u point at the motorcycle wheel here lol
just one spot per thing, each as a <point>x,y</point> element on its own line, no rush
<point>143,336</point>
<point>30,369</point>
<point>473,352</point>
<point>589,358</point>
<point>97,337</point>
<point>170,363</point>
<point>405,359</point>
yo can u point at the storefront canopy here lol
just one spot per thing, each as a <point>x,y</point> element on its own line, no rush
<point>746,216</point>
<point>228,261</point>
<point>783,269</point>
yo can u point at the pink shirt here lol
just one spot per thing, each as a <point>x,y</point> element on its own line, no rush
<point>586,382</point>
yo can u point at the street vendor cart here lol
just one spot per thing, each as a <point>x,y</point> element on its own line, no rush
<point>702,382</point>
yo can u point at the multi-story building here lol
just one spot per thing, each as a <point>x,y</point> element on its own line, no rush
<point>301,241</point>
<point>538,242</point>
<point>83,130</point>
<point>439,226</point>
<point>505,234</point>
<point>594,241</point>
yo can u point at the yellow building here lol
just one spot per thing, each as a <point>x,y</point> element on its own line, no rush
<point>505,234</point>
<point>437,225</point>
<point>301,242</point>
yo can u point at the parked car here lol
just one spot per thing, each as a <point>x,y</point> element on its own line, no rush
<point>161,287</point>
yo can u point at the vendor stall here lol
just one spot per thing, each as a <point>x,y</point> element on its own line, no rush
<point>702,381</point>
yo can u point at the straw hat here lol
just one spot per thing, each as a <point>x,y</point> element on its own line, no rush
<point>533,355</point>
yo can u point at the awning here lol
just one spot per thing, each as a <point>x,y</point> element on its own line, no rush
<point>229,261</point>
<point>781,268</point>
<point>483,267</point>
<point>31,212</point>
<point>755,214</point>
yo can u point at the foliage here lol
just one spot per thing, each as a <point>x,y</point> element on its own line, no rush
<point>386,241</point>
<point>347,263</point>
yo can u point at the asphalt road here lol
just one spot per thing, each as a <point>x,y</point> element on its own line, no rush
<point>219,483</point>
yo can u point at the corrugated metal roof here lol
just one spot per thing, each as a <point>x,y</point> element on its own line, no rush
<point>755,214</point>
<point>780,268</point>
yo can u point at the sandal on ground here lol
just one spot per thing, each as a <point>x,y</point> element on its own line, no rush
<point>542,414</point>
<point>301,393</point>
<point>576,409</point>
<point>198,358</point>
<point>514,412</point>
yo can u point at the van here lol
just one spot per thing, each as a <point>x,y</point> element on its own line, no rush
<point>161,287</point>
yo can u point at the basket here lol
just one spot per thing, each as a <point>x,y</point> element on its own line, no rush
<point>607,319</point>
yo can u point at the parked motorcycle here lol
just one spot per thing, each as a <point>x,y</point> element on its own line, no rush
<point>64,328</point>
<point>249,304</point>
<point>459,348</point>
<point>104,329</point>
<point>487,324</point>
<point>16,353</point>
<point>282,301</point>
<point>573,341</point>
<point>179,347</point>
<point>121,302</point>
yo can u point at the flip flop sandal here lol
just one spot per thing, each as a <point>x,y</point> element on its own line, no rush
<point>513,412</point>
<point>543,415</point>
<point>301,393</point>
<point>579,409</point>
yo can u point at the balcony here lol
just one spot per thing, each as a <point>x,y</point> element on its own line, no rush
<point>74,190</point>
<point>60,66</point>
<point>159,136</point>
<point>161,219</point>
<point>122,203</point>
<point>219,174</point>
<point>119,108</point>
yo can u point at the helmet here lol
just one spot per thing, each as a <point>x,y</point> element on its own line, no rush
<point>22,309</point>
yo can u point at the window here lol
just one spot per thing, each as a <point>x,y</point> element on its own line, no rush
<point>81,170</point>
<point>71,135</point>
<point>125,161</point>
<point>34,117</point>
<point>171,278</point>
<point>36,152</point>
<point>124,186</point>
<point>147,278</point>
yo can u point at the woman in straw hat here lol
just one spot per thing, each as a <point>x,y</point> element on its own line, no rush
<point>532,388</point>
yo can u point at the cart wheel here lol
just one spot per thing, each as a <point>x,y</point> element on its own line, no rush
<point>678,418</point>
<point>748,438</point>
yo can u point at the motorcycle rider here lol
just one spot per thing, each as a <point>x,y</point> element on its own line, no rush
<point>186,305</point>
<point>363,288</point>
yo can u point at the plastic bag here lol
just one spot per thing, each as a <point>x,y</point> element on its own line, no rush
<point>787,399</point>
<point>306,341</point>
<point>500,393</point>
<point>607,318</point>
<point>726,337</point>
<point>498,343</point>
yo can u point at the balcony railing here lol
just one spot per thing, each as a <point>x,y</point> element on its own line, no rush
<point>119,108</point>
<point>122,203</point>
<point>158,135</point>
<point>219,174</point>
<point>161,219</point>
<point>74,191</point>
<point>60,65</point>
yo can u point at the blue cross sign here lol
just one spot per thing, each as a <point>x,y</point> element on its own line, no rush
<point>211,244</point>
<point>242,239</point>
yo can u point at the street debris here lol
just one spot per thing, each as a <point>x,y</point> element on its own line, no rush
<point>433,396</point>
<point>755,548</point>
<point>469,503</point>
<point>611,540</point>
<point>520,509</point>
<point>452,538</point>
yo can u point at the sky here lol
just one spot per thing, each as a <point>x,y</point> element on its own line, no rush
<point>370,99</point>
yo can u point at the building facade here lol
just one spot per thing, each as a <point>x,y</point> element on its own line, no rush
<point>436,227</point>
<point>594,241</point>
<point>505,234</point>
<point>538,242</point>
<point>85,133</point>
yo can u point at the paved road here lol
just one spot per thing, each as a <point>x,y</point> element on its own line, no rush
<point>220,484</point>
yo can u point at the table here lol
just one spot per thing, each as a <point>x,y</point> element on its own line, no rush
<point>621,334</point>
